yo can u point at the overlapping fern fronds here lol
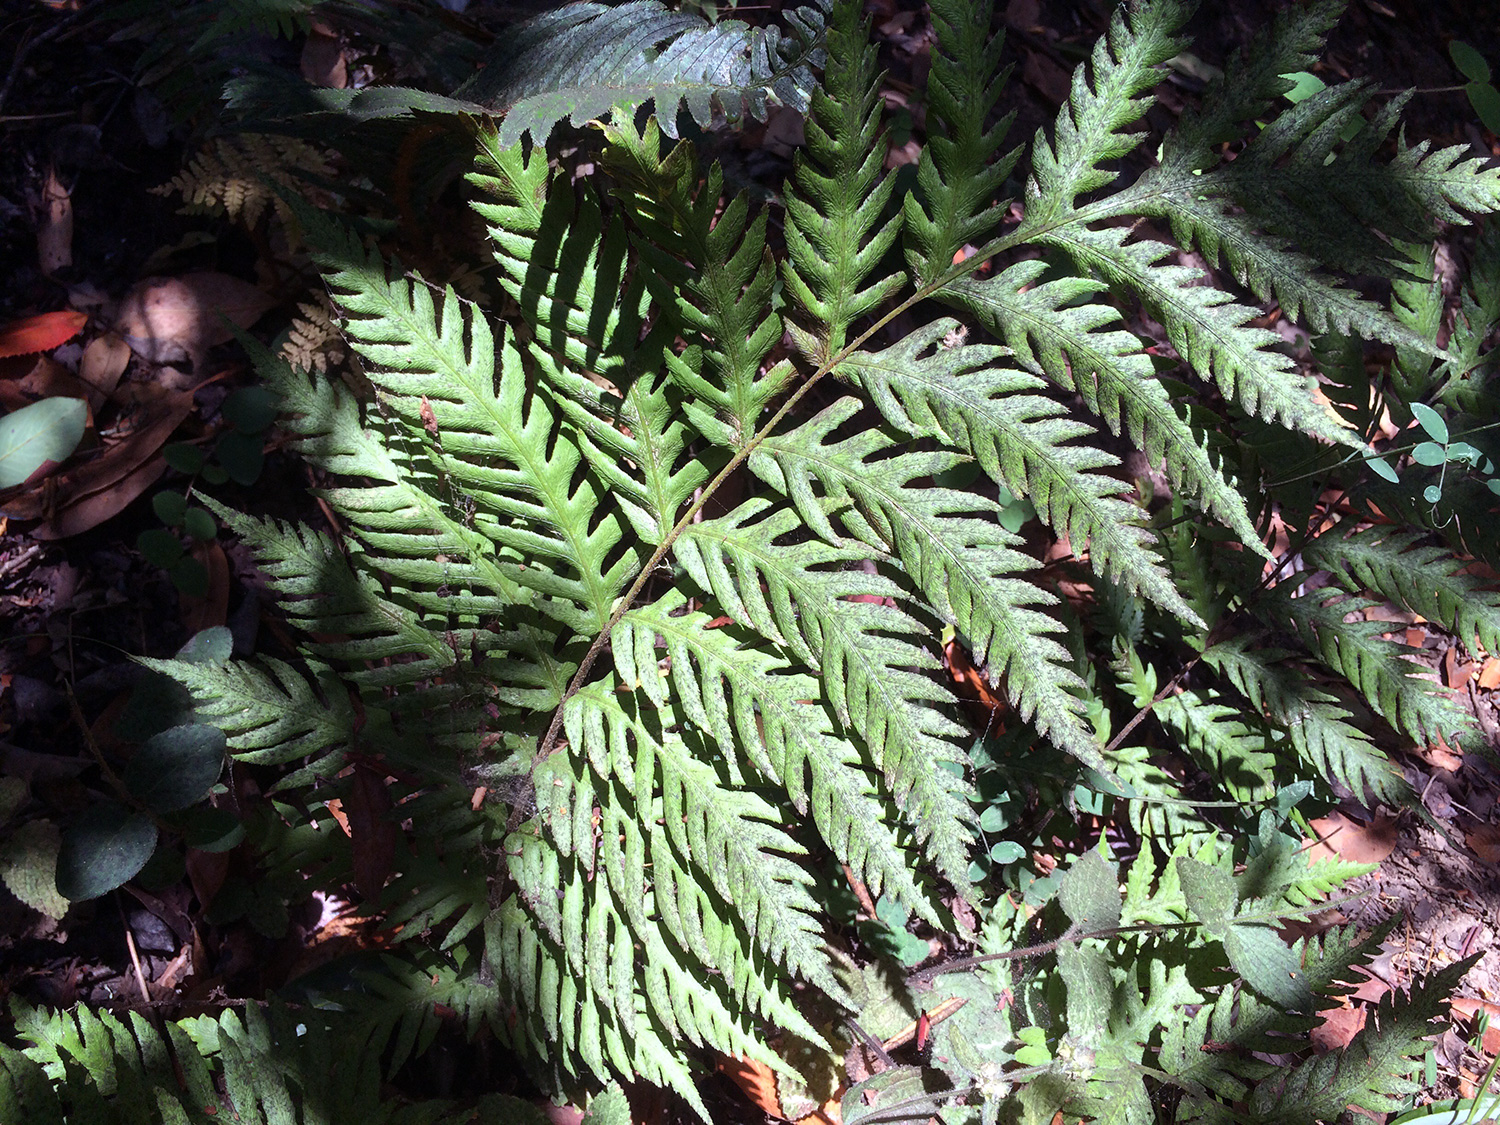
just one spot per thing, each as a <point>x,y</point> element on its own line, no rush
<point>662,639</point>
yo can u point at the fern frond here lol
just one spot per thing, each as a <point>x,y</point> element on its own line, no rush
<point>749,699</point>
<point>963,564</point>
<point>1376,1071</point>
<point>1397,565</point>
<point>834,205</point>
<point>959,176</point>
<point>1233,751</point>
<point>1209,330</point>
<point>1315,721</point>
<point>1102,103</point>
<point>710,272</point>
<point>877,674</point>
<point>1021,440</point>
<point>1069,342</point>
<point>1395,686</point>
<point>579,61</point>
<point>233,176</point>
<point>495,443</point>
<point>271,713</point>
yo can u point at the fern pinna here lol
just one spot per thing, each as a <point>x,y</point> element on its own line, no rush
<point>646,584</point>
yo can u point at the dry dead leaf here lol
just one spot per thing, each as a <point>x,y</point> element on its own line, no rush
<point>103,362</point>
<point>90,510</point>
<point>1348,839</point>
<point>40,333</point>
<point>323,62</point>
<point>1441,756</point>
<point>1489,675</point>
<point>168,319</point>
<point>54,228</point>
<point>1484,842</point>
<point>1339,1026</point>
<point>213,607</point>
<point>758,1081</point>
<point>1465,1007</point>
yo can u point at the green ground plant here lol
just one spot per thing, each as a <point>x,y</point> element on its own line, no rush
<point>648,566</point>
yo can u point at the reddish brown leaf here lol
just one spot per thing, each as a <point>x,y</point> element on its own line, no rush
<point>91,509</point>
<point>1339,1026</point>
<point>1350,840</point>
<point>167,319</point>
<point>213,607</point>
<point>103,362</point>
<point>1467,1008</point>
<point>1484,842</point>
<point>371,830</point>
<point>40,333</point>
<point>1489,675</point>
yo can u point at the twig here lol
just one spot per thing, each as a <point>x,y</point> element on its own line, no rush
<point>40,37</point>
<point>135,957</point>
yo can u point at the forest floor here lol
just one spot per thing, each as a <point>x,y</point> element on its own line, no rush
<point>86,245</point>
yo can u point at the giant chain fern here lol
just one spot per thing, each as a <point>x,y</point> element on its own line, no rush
<point>671,715</point>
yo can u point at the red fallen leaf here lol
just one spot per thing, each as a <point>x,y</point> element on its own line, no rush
<point>1465,1007</point>
<point>1350,840</point>
<point>371,830</point>
<point>1484,842</point>
<point>41,333</point>
<point>213,607</point>
<point>1338,1027</point>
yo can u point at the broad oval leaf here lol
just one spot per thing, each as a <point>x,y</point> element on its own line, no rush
<point>1090,893</point>
<point>176,767</point>
<point>1471,64</point>
<point>103,850</point>
<point>34,435</point>
<point>1431,421</point>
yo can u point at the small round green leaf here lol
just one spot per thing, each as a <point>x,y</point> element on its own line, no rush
<point>169,507</point>
<point>103,850</point>
<point>1007,851</point>
<point>1493,485</point>
<point>176,767</point>
<point>1429,453</point>
<point>34,435</point>
<point>209,646</point>
<point>200,524</point>
<point>251,410</point>
<point>1463,451</point>
<point>215,474</point>
<point>1485,100</point>
<point>1431,421</point>
<point>993,819</point>
<point>190,577</point>
<point>183,457</point>
<point>1432,493</point>
<point>159,546</point>
<point>1470,63</point>
<point>241,455</point>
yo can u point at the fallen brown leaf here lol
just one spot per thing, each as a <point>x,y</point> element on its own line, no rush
<point>40,333</point>
<point>103,362</point>
<point>168,319</point>
<point>90,510</point>
<point>1440,756</point>
<point>1339,1026</point>
<point>1464,1007</point>
<point>54,229</point>
<point>323,63</point>
<point>1489,675</point>
<point>213,607</point>
<point>1348,839</point>
<point>1484,842</point>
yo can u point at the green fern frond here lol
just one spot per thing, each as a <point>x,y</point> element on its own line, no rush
<point>1317,724</point>
<point>710,272</point>
<point>581,60</point>
<point>877,675</point>
<point>1208,329</point>
<point>835,202</point>
<point>271,713</point>
<point>1395,686</point>
<point>1376,1071</point>
<point>1234,751</point>
<point>1397,565</point>
<point>1049,331</point>
<point>1102,103</point>
<point>958,175</point>
<point>962,563</point>
<point>749,699</point>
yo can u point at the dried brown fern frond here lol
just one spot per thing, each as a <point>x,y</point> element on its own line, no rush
<point>234,176</point>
